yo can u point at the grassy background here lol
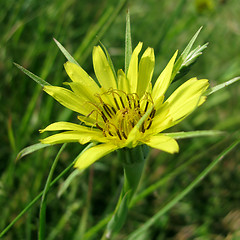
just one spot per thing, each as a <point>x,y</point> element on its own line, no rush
<point>210,211</point>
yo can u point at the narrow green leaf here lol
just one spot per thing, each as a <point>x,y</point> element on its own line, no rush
<point>68,181</point>
<point>37,79</point>
<point>128,42</point>
<point>31,149</point>
<point>182,194</point>
<point>204,133</point>
<point>221,86</point>
<point>96,228</point>
<point>184,54</point>
<point>109,60</point>
<point>43,206</point>
<point>189,61</point>
<point>119,217</point>
<point>65,52</point>
<point>194,54</point>
<point>10,225</point>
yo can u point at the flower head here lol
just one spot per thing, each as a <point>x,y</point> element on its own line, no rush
<point>122,110</point>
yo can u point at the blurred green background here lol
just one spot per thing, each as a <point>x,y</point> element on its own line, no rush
<point>210,211</point>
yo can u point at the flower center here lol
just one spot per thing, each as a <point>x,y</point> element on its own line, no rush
<point>118,112</point>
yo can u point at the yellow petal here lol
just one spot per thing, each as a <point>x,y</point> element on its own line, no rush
<point>132,74</point>
<point>164,143</point>
<point>58,126</point>
<point>85,94</point>
<point>146,67</point>
<point>123,83</point>
<point>186,98</point>
<point>69,136</point>
<point>73,136</point>
<point>84,82</point>
<point>68,99</point>
<point>93,154</point>
<point>163,81</point>
<point>102,69</point>
<point>159,124</point>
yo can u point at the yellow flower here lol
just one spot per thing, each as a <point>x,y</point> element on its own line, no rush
<point>123,110</point>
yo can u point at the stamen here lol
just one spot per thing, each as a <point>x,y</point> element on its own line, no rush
<point>122,102</point>
<point>118,133</point>
<point>124,135</point>
<point>99,127</point>
<point>107,110</point>
<point>146,107</point>
<point>120,117</point>
<point>151,116</point>
<point>113,109</point>
<point>103,117</point>
<point>128,101</point>
<point>115,100</point>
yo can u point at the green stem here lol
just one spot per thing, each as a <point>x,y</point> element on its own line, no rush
<point>43,206</point>
<point>133,164</point>
<point>9,226</point>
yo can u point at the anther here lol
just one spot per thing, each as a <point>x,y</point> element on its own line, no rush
<point>113,109</point>
<point>103,117</point>
<point>115,100</point>
<point>122,102</point>
<point>129,102</point>
<point>124,135</point>
<point>99,127</point>
<point>146,106</point>
<point>152,114</point>
<point>107,110</point>
<point>118,133</point>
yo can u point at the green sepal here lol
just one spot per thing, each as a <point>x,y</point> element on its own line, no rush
<point>34,77</point>
<point>109,60</point>
<point>128,42</point>
<point>69,57</point>
<point>187,58</point>
<point>191,58</point>
<point>119,217</point>
<point>221,86</point>
<point>31,149</point>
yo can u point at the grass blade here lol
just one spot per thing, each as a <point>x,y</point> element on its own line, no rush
<point>10,225</point>
<point>43,206</point>
<point>182,194</point>
<point>68,181</point>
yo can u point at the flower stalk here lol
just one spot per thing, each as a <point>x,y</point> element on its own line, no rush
<point>133,160</point>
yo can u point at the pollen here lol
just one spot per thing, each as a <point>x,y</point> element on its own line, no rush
<point>116,113</point>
